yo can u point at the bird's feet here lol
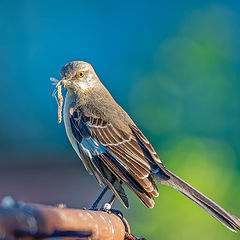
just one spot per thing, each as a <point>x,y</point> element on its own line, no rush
<point>108,208</point>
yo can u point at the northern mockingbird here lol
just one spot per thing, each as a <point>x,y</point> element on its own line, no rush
<point>114,150</point>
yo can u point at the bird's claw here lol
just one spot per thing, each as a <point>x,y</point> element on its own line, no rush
<point>111,210</point>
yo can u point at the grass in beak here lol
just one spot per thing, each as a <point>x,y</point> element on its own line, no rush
<point>59,98</point>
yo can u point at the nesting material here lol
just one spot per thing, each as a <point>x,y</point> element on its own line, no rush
<point>60,104</point>
<point>59,98</point>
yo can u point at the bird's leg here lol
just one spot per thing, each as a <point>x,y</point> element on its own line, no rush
<point>112,199</point>
<point>95,204</point>
<point>107,206</point>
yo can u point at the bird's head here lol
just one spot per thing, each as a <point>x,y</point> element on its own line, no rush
<point>78,76</point>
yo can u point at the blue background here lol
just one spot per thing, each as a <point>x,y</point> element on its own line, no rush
<point>172,65</point>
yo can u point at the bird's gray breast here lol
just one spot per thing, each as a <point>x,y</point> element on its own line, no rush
<point>83,143</point>
<point>70,101</point>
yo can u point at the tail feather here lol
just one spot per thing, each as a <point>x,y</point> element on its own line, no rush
<point>226,218</point>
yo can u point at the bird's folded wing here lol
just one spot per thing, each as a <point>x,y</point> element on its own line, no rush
<point>127,155</point>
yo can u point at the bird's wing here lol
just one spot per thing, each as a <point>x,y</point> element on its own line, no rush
<point>129,156</point>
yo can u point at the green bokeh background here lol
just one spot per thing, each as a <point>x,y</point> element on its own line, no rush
<point>172,65</point>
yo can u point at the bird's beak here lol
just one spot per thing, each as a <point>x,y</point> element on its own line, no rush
<point>61,82</point>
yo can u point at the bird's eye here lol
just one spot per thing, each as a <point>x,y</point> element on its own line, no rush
<point>81,74</point>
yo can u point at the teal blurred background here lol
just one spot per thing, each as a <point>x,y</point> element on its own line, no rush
<point>174,66</point>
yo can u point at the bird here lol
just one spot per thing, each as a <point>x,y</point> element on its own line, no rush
<point>114,150</point>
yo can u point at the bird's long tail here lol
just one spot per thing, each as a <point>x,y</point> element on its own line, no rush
<point>227,219</point>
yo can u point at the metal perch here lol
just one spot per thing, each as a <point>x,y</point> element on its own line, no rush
<point>34,221</point>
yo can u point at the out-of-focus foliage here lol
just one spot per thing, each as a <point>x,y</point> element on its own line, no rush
<point>173,65</point>
<point>189,103</point>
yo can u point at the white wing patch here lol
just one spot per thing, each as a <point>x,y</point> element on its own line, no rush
<point>92,147</point>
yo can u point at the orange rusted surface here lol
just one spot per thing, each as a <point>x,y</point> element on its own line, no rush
<point>40,220</point>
